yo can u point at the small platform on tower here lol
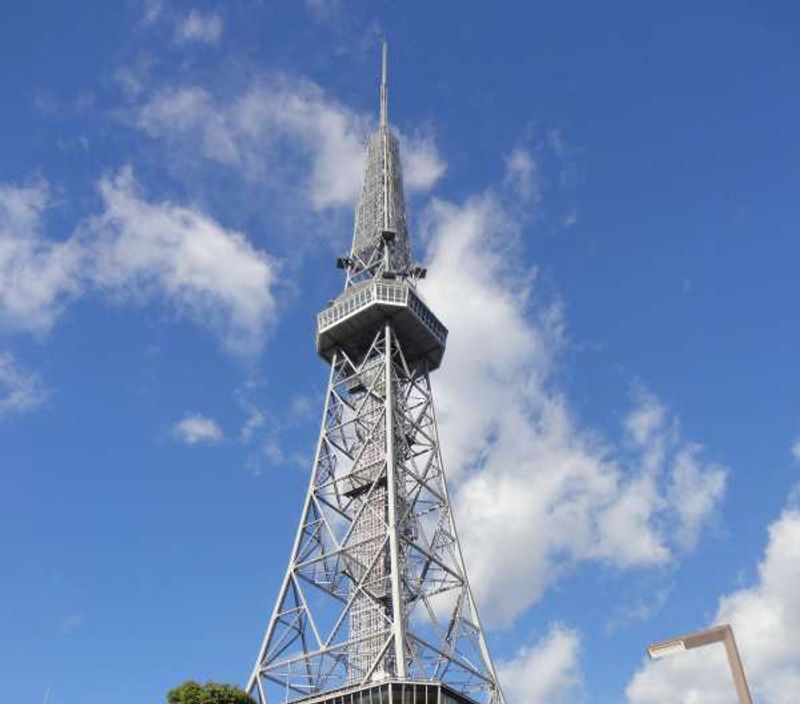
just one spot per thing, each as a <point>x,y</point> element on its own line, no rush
<point>353,319</point>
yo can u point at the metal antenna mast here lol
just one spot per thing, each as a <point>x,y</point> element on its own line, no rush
<point>384,87</point>
<point>375,606</point>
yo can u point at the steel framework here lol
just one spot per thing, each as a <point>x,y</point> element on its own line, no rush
<point>376,590</point>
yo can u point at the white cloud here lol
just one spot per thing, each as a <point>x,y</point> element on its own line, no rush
<point>281,130</point>
<point>173,252</point>
<point>38,276</point>
<point>695,488</point>
<point>423,166</point>
<point>522,174</point>
<point>20,390</point>
<point>545,673</point>
<point>645,423</point>
<point>766,621</point>
<point>254,422</point>
<point>134,249</point>
<point>196,428</point>
<point>527,476</point>
<point>197,26</point>
<point>190,111</point>
<point>694,485</point>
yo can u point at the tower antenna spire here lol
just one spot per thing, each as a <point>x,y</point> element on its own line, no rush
<point>384,86</point>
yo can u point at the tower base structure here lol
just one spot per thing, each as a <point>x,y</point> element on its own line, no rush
<point>393,692</point>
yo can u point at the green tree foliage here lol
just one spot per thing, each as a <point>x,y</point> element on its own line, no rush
<point>210,693</point>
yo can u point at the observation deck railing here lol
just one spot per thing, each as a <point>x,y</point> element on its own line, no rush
<point>381,292</point>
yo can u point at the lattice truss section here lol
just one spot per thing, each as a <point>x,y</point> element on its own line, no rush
<point>344,616</point>
<point>381,208</point>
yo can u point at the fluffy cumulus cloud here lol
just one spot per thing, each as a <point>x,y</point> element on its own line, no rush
<point>547,672</point>
<point>281,130</point>
<point>38,275</point>
<point>423,166</point>
<point>527,474</point>
<point>198,26</point>
<point>766,620</point>
<point>134,249</point>
<point>169,251</point>
<point>196,428</point>
<point>20,390</point>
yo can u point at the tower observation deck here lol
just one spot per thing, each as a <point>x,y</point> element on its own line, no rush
<point>375,605</point>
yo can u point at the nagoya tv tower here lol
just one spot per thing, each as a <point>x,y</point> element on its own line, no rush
<point>375,606</point>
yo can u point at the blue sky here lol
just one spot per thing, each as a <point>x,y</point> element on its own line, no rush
<point>605,199</point>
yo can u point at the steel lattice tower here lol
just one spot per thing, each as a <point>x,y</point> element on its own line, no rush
<point>375,605</point>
